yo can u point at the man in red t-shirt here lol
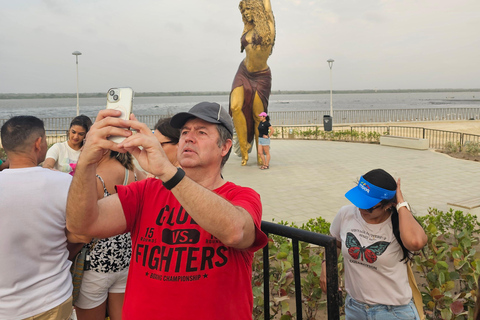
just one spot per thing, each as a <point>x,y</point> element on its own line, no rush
<point>193,235</point>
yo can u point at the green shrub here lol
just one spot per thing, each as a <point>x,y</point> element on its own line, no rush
<point>452,147</point>
<point>276,132</point>
<point>472,148</point>
<point>449,264</point>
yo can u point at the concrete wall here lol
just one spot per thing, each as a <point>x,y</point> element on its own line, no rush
<point>403,142</point>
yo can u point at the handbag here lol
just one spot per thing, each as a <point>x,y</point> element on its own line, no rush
<point>417,296</point>
<point>77,269</point>
<point>79,265</point>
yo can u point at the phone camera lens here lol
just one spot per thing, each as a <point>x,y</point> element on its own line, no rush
<point>115,97</point>
<point>112,92</point>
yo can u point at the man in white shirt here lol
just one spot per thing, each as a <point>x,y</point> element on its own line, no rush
<point>35,281</point>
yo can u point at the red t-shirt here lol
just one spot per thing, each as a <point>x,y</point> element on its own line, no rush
<point>178,270</point>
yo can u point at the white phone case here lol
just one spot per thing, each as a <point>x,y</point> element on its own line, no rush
<point>120,99</point>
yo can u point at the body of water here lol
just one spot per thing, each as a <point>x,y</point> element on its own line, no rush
<point>66,107</point>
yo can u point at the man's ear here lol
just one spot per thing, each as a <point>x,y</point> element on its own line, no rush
<point>226,147</point>
<point>38,143</point>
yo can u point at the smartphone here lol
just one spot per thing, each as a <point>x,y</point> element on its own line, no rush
<point>120,99</point>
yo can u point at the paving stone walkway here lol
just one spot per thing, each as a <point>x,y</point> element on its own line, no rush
<point>308,178</point>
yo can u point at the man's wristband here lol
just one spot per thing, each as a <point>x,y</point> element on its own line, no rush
<point>170,184</point>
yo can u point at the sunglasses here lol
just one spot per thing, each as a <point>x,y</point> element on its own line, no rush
<point>373,208</point>
<point>166,142</point>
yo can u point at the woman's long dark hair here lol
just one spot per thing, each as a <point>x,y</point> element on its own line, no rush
<point>383,179</point>
<point>126,159</point>
<point>83,121</point>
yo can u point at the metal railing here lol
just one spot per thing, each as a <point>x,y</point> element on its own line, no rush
<point>330,245</point>
<point>54,136</point>
<point>437,138</point>
<point>316,117</point>
<point>374,115</point>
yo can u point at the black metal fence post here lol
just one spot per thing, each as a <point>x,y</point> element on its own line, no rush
<point>266,282</point>
<point>298,283</point>
<point>333,297</point>
<point>330,244</point>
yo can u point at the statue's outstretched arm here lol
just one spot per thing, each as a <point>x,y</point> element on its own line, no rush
<point>268,8</point>
<point>267,5</point>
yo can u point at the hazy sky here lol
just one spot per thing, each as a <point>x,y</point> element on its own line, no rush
<point>194,45</point>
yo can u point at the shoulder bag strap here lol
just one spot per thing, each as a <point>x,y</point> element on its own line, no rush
<point>417,296</point>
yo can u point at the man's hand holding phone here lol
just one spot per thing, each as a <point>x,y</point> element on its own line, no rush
<point>114,124</point>
<point>97,143</point>
<point>144,146</point>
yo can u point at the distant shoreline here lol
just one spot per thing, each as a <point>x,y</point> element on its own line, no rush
<point>218,93</point>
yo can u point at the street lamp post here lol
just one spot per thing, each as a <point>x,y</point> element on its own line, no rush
<point>330,64</point>
<point>76,54</point>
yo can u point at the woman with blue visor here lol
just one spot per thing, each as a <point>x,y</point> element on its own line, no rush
<point>377,235</point>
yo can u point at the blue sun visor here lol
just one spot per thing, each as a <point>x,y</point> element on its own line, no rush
<point>366,195</point>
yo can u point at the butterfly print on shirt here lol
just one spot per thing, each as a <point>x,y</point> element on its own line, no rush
<point>370,253</point>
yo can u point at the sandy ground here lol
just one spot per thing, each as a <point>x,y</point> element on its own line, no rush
<point>465,126</point>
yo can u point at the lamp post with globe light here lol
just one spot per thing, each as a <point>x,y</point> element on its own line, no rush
<point>76,54</point>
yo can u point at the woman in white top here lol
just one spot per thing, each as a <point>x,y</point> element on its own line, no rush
<point>377,235</point>
<point>62,154</point>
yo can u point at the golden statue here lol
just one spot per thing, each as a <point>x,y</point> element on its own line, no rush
<point>253,81</point>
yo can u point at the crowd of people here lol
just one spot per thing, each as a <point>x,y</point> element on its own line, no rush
<point>171,238</point>
<point>184,234</point>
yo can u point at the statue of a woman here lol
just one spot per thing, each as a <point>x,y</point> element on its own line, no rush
<point>253,81</point>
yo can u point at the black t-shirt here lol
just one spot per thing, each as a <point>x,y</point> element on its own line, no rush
<point>263,128</point>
